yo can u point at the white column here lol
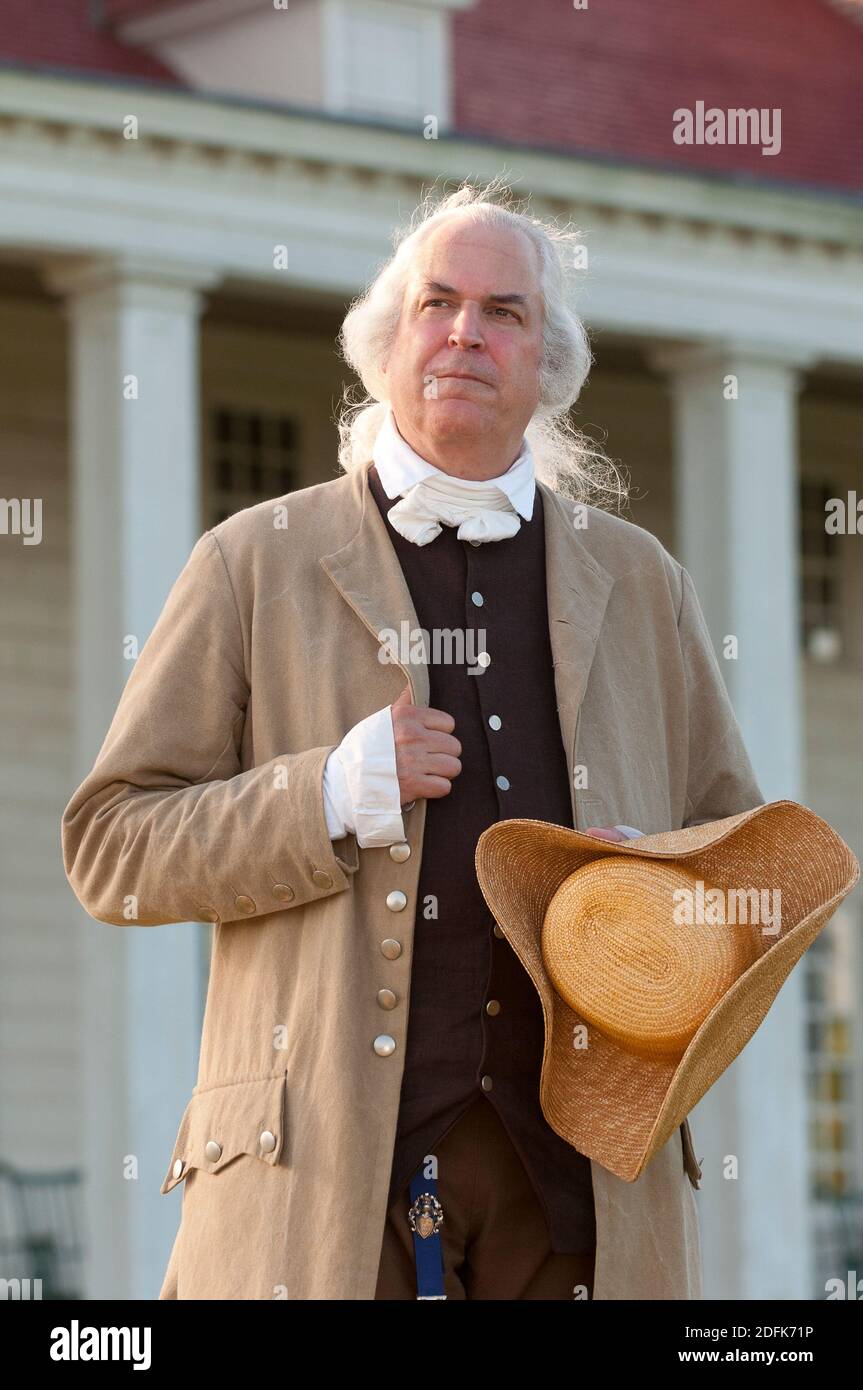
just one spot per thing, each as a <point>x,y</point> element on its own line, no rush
<point>736,489</point>
<point>136,517</point>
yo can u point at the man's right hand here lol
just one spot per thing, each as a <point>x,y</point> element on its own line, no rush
<point>426,752</point>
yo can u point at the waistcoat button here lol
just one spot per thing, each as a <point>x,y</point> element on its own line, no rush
<point>391,948</point>
<point>503,783</point>
<point>486,1083</point>
<point>387,999</point>
<point>396,900</point>
<point>494,721</point>
<point>477,598</point>
<point>384,1045</point>
<point>400,852</point>
<point>493,1007</point>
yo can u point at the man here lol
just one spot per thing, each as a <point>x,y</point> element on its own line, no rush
<point>324,719</point>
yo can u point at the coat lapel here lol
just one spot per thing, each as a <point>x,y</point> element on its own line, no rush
<point>367,574</point>
<point>578,588</point>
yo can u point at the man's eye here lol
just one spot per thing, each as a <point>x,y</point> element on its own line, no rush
<point>499,309</point>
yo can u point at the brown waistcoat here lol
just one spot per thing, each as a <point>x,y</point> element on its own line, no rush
<point>456,1047</point>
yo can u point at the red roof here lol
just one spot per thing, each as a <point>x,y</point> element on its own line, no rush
<point>61,34</point>
<point>604,81</point>
<point>607,80</point>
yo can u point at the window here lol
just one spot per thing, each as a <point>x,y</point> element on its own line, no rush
<point>820,596</point>
<point>251,456</point>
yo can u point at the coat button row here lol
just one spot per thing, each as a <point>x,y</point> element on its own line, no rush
<point>213,1150</point>
<point>282,892</point>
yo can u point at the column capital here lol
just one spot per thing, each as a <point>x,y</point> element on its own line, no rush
<point>678,359</point>
<point>83,275</point>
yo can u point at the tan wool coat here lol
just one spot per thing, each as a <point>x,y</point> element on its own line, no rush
<point>205,804</point>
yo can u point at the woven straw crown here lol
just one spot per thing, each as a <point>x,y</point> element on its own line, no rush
<point>615,952</point>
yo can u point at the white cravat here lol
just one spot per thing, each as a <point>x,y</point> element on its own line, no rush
<point>431,499</point>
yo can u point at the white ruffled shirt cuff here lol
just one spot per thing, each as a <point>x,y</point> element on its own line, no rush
<point>361,786</point>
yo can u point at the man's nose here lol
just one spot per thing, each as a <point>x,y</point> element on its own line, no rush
<point>466,331</point>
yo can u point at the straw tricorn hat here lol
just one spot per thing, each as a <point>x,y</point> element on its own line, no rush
<point>643,1009</point>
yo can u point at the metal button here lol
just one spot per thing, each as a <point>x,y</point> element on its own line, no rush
<point>503,783</point>
<point>400,852</point>
<point>283,892</point>
<point>384,1045</point>
<point>497,930</point>
<point>213,1150</point>
<point>494,721</point>
<point>391,948</point>
<point>483,659</point>
<point>396,900</point>
<point>244,903</point>
<point>486,1083</point>
<point>322,878</point>
<point>267,1141</point>
<point>208,914</point>
<point>493,1007</point>
<point>476,542</point>
<point>410,805</point>
<point>477,598</point>
<point>177,1168</point>
<point>387,999</point>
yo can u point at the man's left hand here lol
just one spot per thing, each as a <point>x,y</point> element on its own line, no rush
<point>608,832</point>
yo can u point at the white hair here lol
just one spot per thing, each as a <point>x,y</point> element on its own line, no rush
<point>565,458</point>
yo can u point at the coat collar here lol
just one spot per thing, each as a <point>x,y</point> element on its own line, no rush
<point>367,574</point>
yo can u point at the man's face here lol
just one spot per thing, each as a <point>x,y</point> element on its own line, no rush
<point>472,305</point>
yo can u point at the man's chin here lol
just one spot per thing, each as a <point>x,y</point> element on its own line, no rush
<point>457,418</point>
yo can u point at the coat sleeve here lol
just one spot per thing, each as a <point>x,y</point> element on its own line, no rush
<point>167,827</point>
<point>720,778</point>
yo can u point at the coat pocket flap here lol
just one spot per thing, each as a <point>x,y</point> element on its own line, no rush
<point>221,1122</point>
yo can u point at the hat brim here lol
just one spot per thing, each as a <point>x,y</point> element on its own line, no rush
<point>612,1106</point>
